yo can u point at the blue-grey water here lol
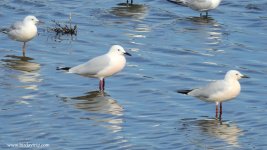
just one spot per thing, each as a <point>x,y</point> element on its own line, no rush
<point>172,48</point>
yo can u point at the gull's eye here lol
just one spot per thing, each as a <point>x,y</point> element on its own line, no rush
<point>236,74</point>
<point>119,50</point>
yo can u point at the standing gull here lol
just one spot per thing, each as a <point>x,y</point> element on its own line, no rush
<point>199,5</point>
<point>102,66</point>
<point>218,91</point>
<point>22,31</point>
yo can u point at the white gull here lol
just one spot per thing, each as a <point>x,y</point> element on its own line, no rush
<point>22,31</point>
<point>102,66</point>
<point>199,5</point>
<point>220,90</point>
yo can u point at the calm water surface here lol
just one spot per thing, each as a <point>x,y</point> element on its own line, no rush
<point>172,49</point>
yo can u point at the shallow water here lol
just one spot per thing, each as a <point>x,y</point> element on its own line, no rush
<point>172,49</point>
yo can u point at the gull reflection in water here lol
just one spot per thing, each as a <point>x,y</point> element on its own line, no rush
<point>29,71</point>
<point>27,75</point>
<point>201,20</point>
<point>135,11</point>
<point>209,29</point>
<point>103,107</point>
<point>221,130</point>
<point>214,129</point>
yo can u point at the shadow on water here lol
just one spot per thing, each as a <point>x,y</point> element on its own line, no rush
<point>207,133</point>
<point>104,110</point>
<point>135,11</point>
<point>202,20</point>
<point>29,71</point>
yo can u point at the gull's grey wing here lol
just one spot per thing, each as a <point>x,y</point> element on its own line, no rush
<point>207,92</point>
<point>92,67</point>
<point>16,26</point>
<point>199,5</point>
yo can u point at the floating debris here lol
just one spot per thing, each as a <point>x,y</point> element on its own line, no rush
<point>62,29</point>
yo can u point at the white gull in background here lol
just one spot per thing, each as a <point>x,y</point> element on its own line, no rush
<point>22,31</point>
<point>199,5</point>
<point>219,91</point>
<point>102,66</point>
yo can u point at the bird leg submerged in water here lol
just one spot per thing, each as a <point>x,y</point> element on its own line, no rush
<point>24,49</point>
<point>128,1</point>
<point>220,113</point>
<point>101,84</point>
<point>204,16</point>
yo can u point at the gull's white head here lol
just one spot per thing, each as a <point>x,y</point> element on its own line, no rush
<point>118,50</point>
<point>31,19</point>
<point>234,74</point>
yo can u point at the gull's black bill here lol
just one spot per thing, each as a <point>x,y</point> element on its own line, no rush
<point>41,22</point>
<point>126,53</point>
<point>245,76</point>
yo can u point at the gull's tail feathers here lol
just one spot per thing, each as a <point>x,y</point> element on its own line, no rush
<point>184,91</point>
<point>63,68</point>
<point>178,2</point>
<point>4,30</point>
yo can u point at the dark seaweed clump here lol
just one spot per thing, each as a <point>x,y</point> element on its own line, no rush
<point>62,29</point>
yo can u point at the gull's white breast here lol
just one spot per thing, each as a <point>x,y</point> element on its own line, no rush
<point>116,64</point>
<point>25,33</point>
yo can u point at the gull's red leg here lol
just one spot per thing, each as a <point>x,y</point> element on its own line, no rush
<point>216,115</point>
<point>24,49</point>
<point>101,84</point>
<point>220,110</point>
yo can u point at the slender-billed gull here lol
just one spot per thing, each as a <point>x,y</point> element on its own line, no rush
<point>199,5</point>
<point>22,31</point>
<point>102,66</point>
<point>218,91</point>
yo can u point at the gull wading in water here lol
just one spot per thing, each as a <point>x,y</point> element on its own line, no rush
<point>219,91</point>
<point>22,31</point>
<point>199,5</point>
<point>102,66</point>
